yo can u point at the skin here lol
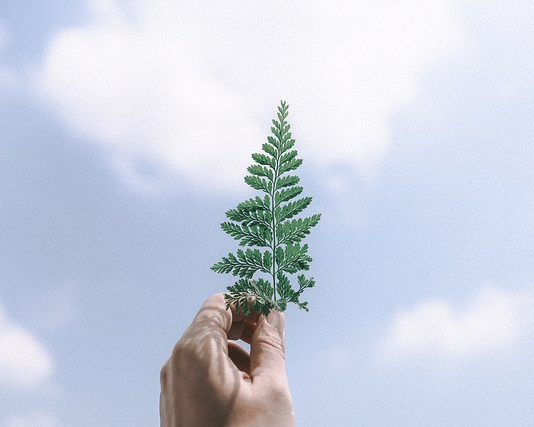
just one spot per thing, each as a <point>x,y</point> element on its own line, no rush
<point>210,380</point>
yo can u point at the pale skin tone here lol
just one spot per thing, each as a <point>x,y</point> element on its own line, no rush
<point>210,380</point>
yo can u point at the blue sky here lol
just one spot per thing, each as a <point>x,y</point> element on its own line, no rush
<point>125,130</point>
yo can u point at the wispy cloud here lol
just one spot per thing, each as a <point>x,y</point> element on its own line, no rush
<point>24,360</point>
<point>184,88</point>
<point>492,320</point>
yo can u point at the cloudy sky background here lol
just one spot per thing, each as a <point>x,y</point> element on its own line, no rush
<point>125,130</point>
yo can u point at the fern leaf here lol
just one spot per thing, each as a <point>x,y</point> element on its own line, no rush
<point>247,292</point>
<point>291,165</point>
<point>263,160</point>
<point>305,282</point>
<point>261,171</point>
<point>287,181</point>
<point>258,183</point>
<point>289,144</point>
<point>256,203</point>
<point>292,208</point>
<point>273,141</point>
<point>276,132</point>
<point>294,258</point>
<point>258,217</point>
<point>294,231</point>
<point>287,194</point>
<point>248,235</point>
<point>284,287</point>
<point>245,264</point>
<point>287,157</point>
<point>269,148</point>
<point>269,222</point>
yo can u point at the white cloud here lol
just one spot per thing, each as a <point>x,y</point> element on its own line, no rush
<point>36,419</point>
<point>189,88</point>
<point>24,361</point>
<point>504,43</point>
<point>492,320</point>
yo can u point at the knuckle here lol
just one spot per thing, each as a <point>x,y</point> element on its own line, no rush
<point>164,373</point>
<point>272,347</point>
<point>270,339</point>
<point>184,353</point>
<point>179,351</point>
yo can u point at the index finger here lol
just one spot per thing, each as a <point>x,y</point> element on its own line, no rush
<point>213,313</point>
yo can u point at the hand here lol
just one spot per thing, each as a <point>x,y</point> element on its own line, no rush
<point>211,381</point>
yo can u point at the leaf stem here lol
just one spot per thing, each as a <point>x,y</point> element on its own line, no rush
<point>273,214</point>
<point>274,205</point>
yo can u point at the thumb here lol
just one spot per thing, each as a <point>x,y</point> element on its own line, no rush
<point>267,350</point>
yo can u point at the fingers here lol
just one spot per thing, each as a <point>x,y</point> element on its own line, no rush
<point>215,321</point>
<point>242,330</point>
<point>214,308</point>
<point>206,336</point>
<point>264,334</point>
<point>267,351</point>
<point>252,317</point>
<point>213,311</point>
<point>240,357</point>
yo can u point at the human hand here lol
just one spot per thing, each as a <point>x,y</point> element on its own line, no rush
<point>211,381</point>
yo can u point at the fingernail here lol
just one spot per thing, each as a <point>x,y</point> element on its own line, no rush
<point>276,319</point>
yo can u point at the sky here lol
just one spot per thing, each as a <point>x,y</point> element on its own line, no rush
<point>126,127</point>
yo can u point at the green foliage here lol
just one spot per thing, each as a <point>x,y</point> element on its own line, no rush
<point>268,223</point>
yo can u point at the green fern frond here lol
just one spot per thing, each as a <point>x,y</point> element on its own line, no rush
<point>269,223</point>
<point>258,217</point>
<point>258,183</point>
<point>293,231</point>
<point>245,264</point>
<point>256,203</point>
<point>287,194</point>
<point>287,181</point>
<point>248,235</point>
<point>292,208</point>
<point>264,160</point>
